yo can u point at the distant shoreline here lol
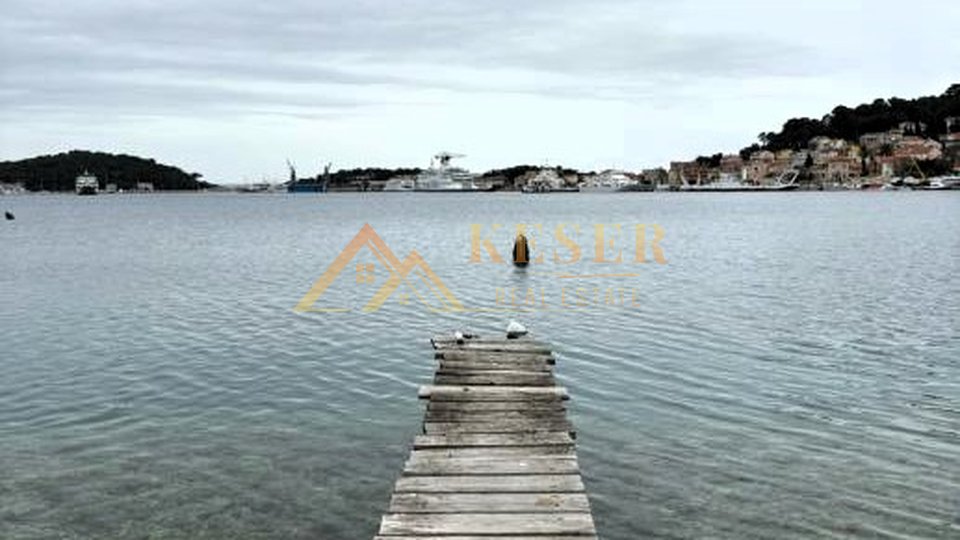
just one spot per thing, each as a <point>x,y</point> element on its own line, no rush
<point>450,193</point>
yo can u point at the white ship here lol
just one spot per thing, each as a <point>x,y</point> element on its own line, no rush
<point>87,184</point>
<point>547,180</point>
<point>440,177</point>
<point>402,183</point>
<point>610,181</point>
<point>729,183</point>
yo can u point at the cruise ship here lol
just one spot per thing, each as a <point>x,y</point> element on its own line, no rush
<point>440,177</point>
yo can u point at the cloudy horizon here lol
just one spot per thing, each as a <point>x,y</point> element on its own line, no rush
<point>233,92</point>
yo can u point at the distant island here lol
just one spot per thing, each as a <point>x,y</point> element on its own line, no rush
<point>58,172</point>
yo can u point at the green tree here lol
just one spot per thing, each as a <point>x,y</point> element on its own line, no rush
<point>58,172</point>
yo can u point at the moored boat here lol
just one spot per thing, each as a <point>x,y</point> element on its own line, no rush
<point>785,182</point>
<point>942,183</point>
<point>87,184</point>
<point>610,181</point>
<point>404,183</point>
<point>547,180</point>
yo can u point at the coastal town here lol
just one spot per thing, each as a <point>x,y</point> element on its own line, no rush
<point>895,159</point>
<point>901,158</point>
<point>870,147</point>
<point>889,159</point>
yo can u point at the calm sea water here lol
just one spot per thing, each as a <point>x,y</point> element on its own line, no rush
<point>793,371</point>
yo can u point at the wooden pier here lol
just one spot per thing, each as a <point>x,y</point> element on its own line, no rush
<point>496,458</point>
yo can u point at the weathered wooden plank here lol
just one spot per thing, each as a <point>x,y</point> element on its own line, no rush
<point>493,378</point>
<point>474,354</point>
<point>538,483</point>
<point>501,426</point>
<point>456,440</point>
<point>498,537</point>
<point>493,356</point>
<point>521,346</point>
<point>498,451</point>
<point>500,371</point>
<point>491,406</point>
<point>570,523</point>
<point>449,338</point>
<point>495,347</point>
<point>447,355</point>
<point>464,466</point>
<point>498,458</point>
<point>496,416</point>
<point>508,365</point>
<point>492,393</point>
<point>450,503</point>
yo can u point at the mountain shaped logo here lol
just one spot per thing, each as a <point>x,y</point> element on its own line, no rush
<point>413,272</point>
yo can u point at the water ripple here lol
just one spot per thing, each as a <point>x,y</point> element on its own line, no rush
<point>790,373</point>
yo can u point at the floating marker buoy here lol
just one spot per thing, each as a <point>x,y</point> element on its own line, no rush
<point>9,216</point>
<point>521,251</point>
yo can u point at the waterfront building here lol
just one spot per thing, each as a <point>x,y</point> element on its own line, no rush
<point>951,141</point>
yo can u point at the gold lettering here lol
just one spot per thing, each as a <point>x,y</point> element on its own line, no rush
<point>608,297</point>
<point>655,245</point>
<point>641,256</point>
<point>569,243</point>
<point>600,245</point>
<point>476,242</point>
<point>582,298</point>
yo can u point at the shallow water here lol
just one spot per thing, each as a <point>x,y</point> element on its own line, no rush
<point>792,371</point>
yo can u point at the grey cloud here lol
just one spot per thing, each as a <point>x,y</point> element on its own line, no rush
<point>170,57</point>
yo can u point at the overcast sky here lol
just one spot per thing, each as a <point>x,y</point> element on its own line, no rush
<point>232,89</point>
